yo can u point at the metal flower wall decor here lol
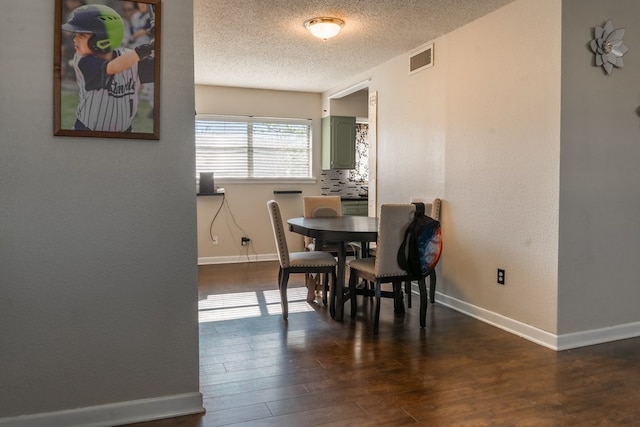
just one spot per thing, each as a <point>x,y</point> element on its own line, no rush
<point>608,47</point>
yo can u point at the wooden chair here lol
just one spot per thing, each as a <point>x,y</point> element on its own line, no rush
<point>297,262</point>
<point>384,268</point>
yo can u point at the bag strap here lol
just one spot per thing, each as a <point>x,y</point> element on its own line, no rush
<point>402,251</point>
<point>419,209</point>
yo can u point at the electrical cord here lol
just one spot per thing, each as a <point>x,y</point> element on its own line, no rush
<point>216,216</point>
<point>224,203</point>
<point>246,253</point>
<point>234,220</point>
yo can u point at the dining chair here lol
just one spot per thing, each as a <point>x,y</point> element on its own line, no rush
<point>432,208</point>
<point>297,262</point>
<point>320,206</point>
<point>323,206</point>
<point>383,268</point>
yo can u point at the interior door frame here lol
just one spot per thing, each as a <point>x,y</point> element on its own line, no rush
<point>373,153</point>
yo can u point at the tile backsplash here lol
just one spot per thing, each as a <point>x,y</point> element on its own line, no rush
<point>335,182</point>
<point>345,182</point>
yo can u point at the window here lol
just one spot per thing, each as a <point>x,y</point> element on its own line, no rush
<point>252,147</point>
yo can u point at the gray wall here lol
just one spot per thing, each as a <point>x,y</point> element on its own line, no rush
<point>599,246</point>
<point>98,279</point>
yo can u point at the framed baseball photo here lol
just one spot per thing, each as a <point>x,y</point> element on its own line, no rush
<point>107,68</point>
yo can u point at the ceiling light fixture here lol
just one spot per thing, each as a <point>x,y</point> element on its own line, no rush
<point>324,28</point>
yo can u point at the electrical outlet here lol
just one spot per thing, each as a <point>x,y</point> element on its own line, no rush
<point>244,241</point>
<point>214,240</point>
<point>501,276</point>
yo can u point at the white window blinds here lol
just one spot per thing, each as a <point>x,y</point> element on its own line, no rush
<point>252,147</point>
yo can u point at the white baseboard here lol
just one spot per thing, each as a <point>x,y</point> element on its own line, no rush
<point>538,336</point>
<point>236,259</point>
<point>113,414</point>
<point>515,327</point>
<point>598,336</point>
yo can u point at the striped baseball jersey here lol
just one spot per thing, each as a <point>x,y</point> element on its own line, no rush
<point>108,102</point>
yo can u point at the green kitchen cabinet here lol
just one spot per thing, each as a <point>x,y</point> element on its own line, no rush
<point>338,142</point>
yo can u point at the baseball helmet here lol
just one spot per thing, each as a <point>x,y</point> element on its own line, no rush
<point>103,22</point>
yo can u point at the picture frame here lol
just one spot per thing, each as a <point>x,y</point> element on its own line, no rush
<point>107,68</point>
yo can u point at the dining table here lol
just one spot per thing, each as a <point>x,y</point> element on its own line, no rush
<point>340,230</point>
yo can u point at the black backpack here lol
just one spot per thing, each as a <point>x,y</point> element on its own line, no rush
<point>421,246</point>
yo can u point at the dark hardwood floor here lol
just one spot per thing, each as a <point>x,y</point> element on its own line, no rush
<point>258,370</point>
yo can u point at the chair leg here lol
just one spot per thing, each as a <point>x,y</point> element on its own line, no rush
<point>398,299</point>
<point>423,302</point>
<point>325,287</point>
<point>407,290</point>
<point>310,283</point>
<point>353,280</point>
<point>432,286</point>
<point>376,318</point>
<point>283,279</point>
<point>333,281</point>
<point>332,294</point>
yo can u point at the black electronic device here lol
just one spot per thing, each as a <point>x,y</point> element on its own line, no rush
<point>206,183</point>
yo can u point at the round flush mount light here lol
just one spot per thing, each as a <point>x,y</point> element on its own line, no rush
<point>324,28</point>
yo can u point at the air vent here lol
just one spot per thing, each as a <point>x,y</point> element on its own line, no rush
<point>421,60</point>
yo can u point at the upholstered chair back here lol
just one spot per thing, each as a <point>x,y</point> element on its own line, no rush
<point>278,233</point>
<point>315,206</point>
<point>393,222</point>
<point>320,206</point>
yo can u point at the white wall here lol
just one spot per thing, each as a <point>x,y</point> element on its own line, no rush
<point>481,130</point>
<point>355,104</point>
<point>502,161</point>
<point>600,196</point>
<point>534,151</point>
<point>98,280</point>
<point>245,208</point>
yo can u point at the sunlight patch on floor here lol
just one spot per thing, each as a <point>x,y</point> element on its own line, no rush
<point>223,301</point>
<point>245,305</point>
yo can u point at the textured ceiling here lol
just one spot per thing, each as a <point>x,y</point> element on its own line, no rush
<point>263,43</point>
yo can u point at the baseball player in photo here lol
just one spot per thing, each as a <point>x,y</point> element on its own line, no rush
<point>109,77</point>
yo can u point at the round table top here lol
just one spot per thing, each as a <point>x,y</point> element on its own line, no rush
<point>337,228</point>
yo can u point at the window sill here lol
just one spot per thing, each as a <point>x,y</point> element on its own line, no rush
<point>259,181</point>
<point>217,193</point>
